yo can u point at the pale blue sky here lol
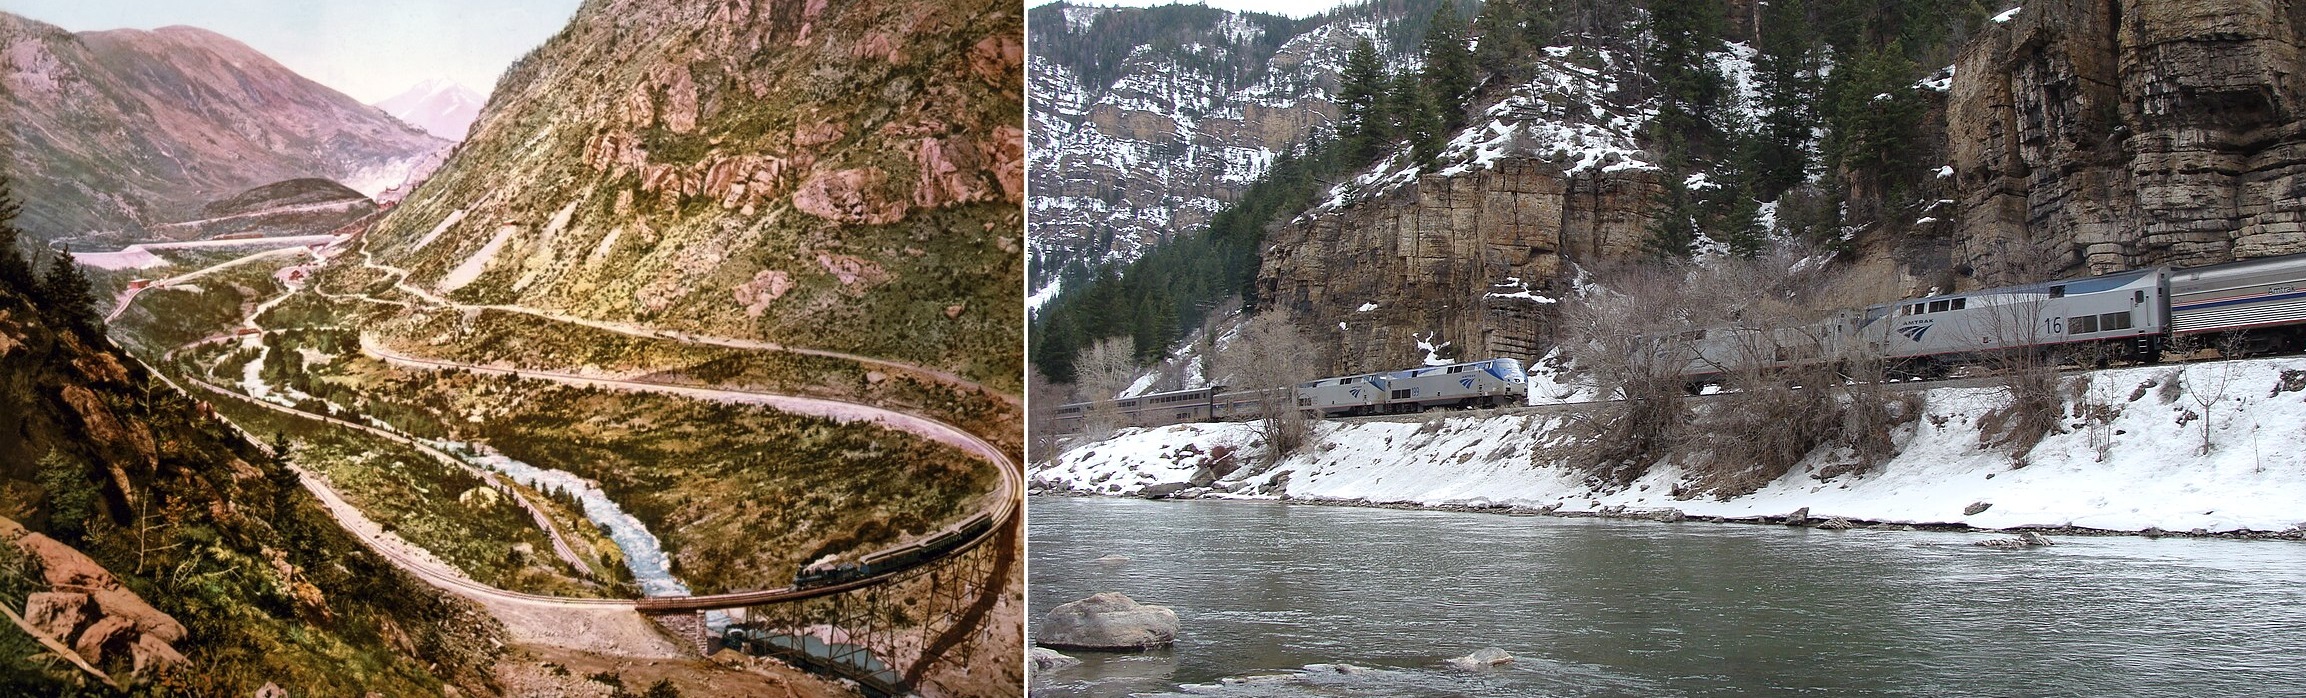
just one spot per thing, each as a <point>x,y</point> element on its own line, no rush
<point>1285,8</point>
<point>370,49</point>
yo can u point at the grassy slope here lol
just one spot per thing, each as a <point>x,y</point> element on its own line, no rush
<point>216,519</point>
<point>677,260</point>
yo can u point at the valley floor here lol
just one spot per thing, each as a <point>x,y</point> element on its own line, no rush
<point>2139,467</point>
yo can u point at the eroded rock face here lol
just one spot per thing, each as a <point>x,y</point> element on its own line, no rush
<point>1462,260</point>
<point>65,568</point>
<point>2109,135</point>
<point>60,614</point>
<point>687,163</point>
<point>1108,621</point>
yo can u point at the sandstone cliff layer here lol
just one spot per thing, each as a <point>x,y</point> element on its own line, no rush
<point>2110,134</point>
<point>1477,261</point>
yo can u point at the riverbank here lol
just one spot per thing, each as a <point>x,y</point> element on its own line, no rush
<point>2127,457</point>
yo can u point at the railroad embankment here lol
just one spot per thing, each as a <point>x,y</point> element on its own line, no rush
<point>2204,448</point>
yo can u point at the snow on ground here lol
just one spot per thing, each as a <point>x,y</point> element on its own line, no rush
<point>1518,289</point>
<point>1546,386</point>
<point>2151,474</point>
<point>1043,296</point>
<point>1432,352</point>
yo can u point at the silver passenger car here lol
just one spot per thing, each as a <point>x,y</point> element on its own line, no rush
<point>2264,298</point>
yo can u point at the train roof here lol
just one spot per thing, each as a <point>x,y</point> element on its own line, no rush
<point>2236,269</point>
<point>2074,286</point>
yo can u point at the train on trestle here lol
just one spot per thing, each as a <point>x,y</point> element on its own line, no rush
<point>2256,306</point>
<point>893,559</point>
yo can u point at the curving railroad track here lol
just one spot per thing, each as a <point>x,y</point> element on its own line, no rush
<point>1003,505</point>
<point>400,282</point>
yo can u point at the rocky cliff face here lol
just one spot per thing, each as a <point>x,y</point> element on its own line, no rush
<point>2119,134</point>
<point>1468,258</point>
<point>1179,131</point>
<point>1452,266</point>
<point>845,176</point>
<point>116,133</point>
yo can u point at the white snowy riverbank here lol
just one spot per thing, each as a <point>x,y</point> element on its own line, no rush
<point>2152,474</point>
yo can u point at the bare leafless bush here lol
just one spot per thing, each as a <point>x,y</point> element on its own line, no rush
<point>1271,357</point>
<point>1101,373</point>
<point>2026,371</point>
<point>1041,428</point>
<point>2095,409</point>
<point>2206,383</point>
<point>1799,381</point>
<point>1631,338</point>
<point>1871,407</point>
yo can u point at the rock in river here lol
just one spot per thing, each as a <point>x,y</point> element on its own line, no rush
<point>2029,539</point>
<point>1483,658</point>
<point>1110,622</point>
<point>1043,659</point>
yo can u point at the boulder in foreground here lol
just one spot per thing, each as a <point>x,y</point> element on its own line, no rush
<point>1109,622</point>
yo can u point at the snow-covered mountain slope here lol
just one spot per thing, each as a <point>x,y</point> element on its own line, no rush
<point>1126,155</point>
<point>2135,463</point>
<point>441,107</point>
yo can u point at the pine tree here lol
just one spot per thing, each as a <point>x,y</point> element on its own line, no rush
<point>66,298</point>
<point>1785,74</point>
<point>1676,227</point>
<point>1502,28</point>
<point>15,270</point>
<point>1402,107</point>
<point>1741,228</point>
<point>1449,78</point>
<point>1422,121</point>
<point>1872,115</point>
<point>1687,84</point>
<point>1054,344</point>
<point>1360,98</point>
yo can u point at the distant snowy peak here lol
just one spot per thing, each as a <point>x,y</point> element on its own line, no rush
<point>442,108</point>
